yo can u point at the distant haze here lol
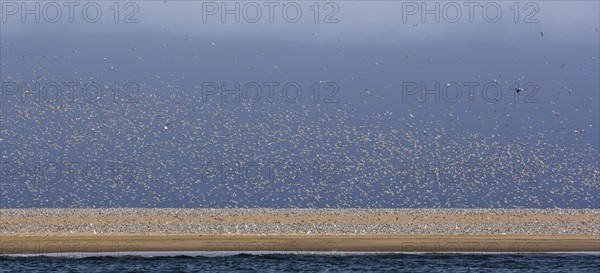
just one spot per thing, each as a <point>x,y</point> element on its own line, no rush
<point>170,139</point>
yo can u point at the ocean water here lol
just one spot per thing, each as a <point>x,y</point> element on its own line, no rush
<point>396,262</point>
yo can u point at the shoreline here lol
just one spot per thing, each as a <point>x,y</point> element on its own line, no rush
<point>265,244</point>
<point>130,230</point>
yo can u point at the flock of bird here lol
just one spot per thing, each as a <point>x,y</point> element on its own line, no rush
<point>173,148</point>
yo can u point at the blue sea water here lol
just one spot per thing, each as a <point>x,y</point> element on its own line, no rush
<point>393,262</point>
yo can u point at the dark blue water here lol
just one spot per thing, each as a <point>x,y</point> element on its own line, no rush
<point>310,263</point>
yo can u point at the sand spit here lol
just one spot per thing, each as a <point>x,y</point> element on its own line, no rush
<point>127,231</point>
<point>168,221</point>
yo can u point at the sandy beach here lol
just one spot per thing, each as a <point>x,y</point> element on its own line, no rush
<point>131,244</point>
<point>127,231</point>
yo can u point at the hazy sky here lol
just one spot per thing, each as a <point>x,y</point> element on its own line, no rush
<point>375,53</point>
<point>364,22</point>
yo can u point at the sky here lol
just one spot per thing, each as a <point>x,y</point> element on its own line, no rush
<point>330,104</point>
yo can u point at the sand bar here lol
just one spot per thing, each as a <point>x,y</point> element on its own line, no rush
<point>122,230</point>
